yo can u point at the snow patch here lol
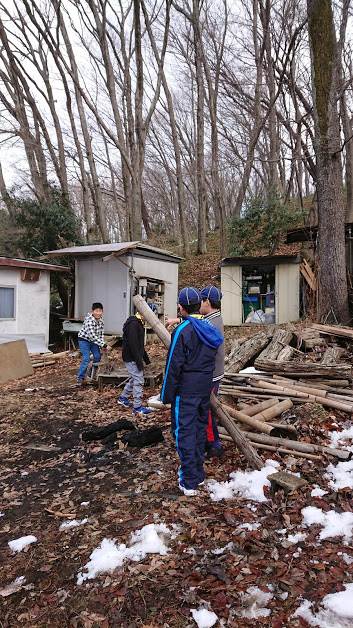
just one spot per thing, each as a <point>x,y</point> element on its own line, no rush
<point>204,618</point>
<point>108,556</point>
<point>296,538</point>
<point>336,610</point>
<point>221,550</point>
<point>74,523</point>
<point>249,526</point>
<point>333,523</point>
<point>13,587</point>
<point>318,492</point>
<point>337,438</point>
<point>254,600</point>
<point>247,484</point>
<point>2,514</point>
<point>17,545</point>
<point>251,369</point>
<point>84,503</point>
<point>346,557</point>
<point>341,474</point>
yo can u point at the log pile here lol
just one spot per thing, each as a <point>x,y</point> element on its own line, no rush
<point>46,359</point>
<point>259,421</point>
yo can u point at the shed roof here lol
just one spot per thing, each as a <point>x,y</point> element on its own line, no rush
<point>309,233</point>
<point>24,263</point>
<point>292,258</point>
<point>117,248</point>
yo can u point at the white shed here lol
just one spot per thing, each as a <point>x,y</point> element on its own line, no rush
<point>113,273</point>
<point>269,283</point>
<point>25,301</point>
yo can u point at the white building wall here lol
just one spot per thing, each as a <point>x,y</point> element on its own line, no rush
<point>163,271</point>
<point>32,303</point>
<point>231,286</point>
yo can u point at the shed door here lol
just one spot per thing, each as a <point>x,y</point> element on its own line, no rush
<point>106,282</point>
<point>231,285</point>
<point>287,293</point>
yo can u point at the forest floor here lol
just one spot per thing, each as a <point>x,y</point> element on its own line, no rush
<point>235,556</point>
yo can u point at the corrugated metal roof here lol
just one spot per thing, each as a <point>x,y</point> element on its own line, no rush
<point>24,263</point>
<point>115,247</point>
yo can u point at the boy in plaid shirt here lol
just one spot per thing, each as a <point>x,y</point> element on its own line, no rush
<point>91,339</point>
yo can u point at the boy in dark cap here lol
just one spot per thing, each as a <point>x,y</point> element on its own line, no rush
<point>210,307</point>
<point>91,339</point>
<point>134,355</point>
<point>187,386</point>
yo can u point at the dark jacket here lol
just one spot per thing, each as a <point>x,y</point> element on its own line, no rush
<point>191,359</point>
<point>134,342</point>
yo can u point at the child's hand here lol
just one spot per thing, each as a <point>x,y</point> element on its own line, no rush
<point>171,322</point>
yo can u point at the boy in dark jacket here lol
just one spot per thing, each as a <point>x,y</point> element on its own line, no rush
<point>187,386</point>
<point>211,309</point>
<point>134,355</point>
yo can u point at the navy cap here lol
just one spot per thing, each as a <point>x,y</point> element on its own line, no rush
<point>189,296</point>
<point>212,293</point>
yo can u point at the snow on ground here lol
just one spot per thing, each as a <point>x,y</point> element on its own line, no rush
<point>2,514</point>
<point>84,503</point>
<point>334,523</point>
<point>251,369</point>
<point>17,545</point>
<point>346,557</point>
<point>220,550</point>
<point>318,492</point>
<point>249,526</point>
<point>339,438</point>
<point>337,611</point>
<point>296,538</point>
<point>74,523</point>
<point>247,484</point>
<point>13,587</point>
<point>341,475</point>
<point>254,601</point>
<point>204,618</point>
<point>108,556</point>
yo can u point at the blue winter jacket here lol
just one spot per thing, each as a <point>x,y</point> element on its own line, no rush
<point>191,359</point>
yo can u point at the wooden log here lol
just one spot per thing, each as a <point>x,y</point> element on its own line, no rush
<point>249,350</point>
<point>250,421</point>
<point>332,330</point>
<point>332,356</point>
<point>152,319</point>
<point>259,407</point>
<point>310,390</point>
<point>280,450</point>
<point>307,369</point>
<point>37,365</point>
<point>241,441</point>
<point>286,354</point>
<point>310,448</point>
<point>291,391</point>
<point>280,338</point>
<point>274,411</point>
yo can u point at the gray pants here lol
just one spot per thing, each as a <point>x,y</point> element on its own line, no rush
<point>135,384</point>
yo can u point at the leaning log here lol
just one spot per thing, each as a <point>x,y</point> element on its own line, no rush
<point>332,355</point>
<point>248,350</point>
<point>310,448</point>
<point>306,369</point>
<point>280,338</point>
<point>243,444</point>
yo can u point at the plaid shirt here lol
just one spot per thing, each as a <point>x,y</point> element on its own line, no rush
<point>92,330</point>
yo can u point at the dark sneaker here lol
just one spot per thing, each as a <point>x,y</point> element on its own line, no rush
<point>80,382</point>
<point>123,401</point>
<point>143,411</point>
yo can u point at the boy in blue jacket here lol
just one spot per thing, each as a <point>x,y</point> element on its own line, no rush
<point>187,386</point>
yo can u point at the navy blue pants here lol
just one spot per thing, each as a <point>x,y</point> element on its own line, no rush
<point>213,439</point>
<point>189,426</point>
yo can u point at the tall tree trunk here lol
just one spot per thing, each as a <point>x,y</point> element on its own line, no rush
<point>200,130</point>
<point>332,281</point>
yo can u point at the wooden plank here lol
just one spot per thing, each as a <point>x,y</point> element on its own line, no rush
<point>332,330</point>
<point>14,361</point>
